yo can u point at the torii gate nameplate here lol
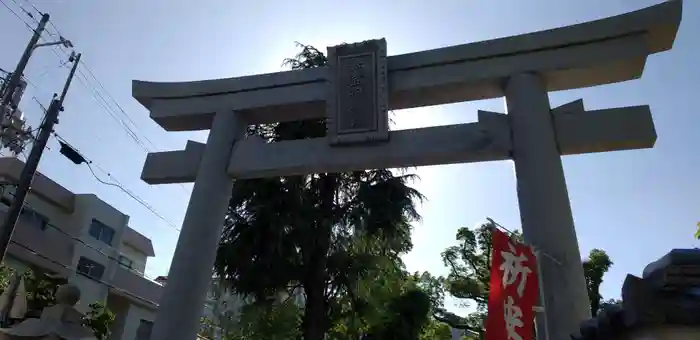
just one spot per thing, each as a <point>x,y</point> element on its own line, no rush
<point>357,103</point>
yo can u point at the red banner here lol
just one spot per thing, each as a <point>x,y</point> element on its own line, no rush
<point>513,290</point>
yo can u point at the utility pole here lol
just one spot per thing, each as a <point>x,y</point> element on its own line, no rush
<point>16,75</point>
<point>25,179</point>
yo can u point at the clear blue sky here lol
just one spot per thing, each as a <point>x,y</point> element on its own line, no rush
<point>636,205</point>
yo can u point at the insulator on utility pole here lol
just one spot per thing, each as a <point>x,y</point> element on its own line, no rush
<point>19,92</point>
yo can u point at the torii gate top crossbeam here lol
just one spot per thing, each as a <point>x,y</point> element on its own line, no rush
<point>593,53</point>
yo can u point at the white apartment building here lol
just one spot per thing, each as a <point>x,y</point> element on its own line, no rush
<point>88,242</point>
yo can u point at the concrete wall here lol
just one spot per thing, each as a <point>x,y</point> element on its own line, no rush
<point>56,245</point>
<point>133,321</point>
<point>90,291</point>
<point>119,305</point>
<point>87,208</point>
<point>137,257</point>
<point>137,286</point>
<point>69,218</point>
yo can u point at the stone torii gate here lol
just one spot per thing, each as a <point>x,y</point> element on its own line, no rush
<point>355,91</point>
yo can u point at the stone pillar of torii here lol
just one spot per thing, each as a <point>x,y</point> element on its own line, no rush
<point>355,91</point>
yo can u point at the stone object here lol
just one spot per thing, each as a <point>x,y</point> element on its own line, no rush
<point>663,304</point>
<point>61,321</point>
<point>357,103</point>
<point>522,68</point>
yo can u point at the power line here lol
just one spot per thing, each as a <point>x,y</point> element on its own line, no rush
<point>95,93</point>
<point>128,117</point>
<point>97,96</point>
<point>53,68</point>
<point>26,12</point>
<point>42,13</point>
<point>34,252</point>
<point>76,239</point>
<point>17,15</point>
<point>115,182</point>
<point>34,7</point>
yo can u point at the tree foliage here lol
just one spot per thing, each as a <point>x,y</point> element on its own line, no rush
<point>99,318</point>
<point>41,289</point>
<point>436,330</point>
<point>280,320</point>
<point>324,233</point>
<point>405,317</point>
<point>594,268</point>
<point>469,264</point>
<point>41,293</point>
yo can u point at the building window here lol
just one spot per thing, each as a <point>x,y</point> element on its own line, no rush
<point>144,330</point>
<point>125,261</point>
<point>90,268</point>
<point>101,232</point>
<point>34,218</point>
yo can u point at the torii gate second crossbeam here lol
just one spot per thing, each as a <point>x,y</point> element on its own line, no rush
<point>355,92</point>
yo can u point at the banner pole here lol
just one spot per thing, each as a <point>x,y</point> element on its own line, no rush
<point>541,308</point>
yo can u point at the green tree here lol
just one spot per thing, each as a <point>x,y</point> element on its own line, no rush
<point>469,264</point>
<point>406,317</point>
<point>41,289</point>
<point>99,318</point>
<point>594,268</point>
<point>206,327</point>
<point>436,330</point>
<point>323,233</point>
<point>279,320</point>
<point>697,232</point>
<point>5,274</point>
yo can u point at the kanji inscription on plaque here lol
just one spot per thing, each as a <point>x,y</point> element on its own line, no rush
<point>357,101</point>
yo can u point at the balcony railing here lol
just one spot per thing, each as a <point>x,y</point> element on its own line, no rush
<point>137,287</point>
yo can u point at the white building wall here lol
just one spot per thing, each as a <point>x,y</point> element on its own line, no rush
<point>76,223</point>
<point>87,208</point>
<point>90,292</point>
<point>133,320</point>
<point>138,257</point>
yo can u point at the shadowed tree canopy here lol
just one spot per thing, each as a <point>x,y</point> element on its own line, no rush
<point>405,317</point>
<point>323,233</point>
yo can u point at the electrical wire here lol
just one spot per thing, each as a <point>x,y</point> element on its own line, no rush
<point>25,11</point>
<point>52,68</point>
<point>85,82</point>
<point>128,117</point>
<point>117,184</point>
<point>34,7</point>
<point>76,239</point>
<point>99,98</point>
<point>34,252</point>
<point>42,13</point>
<point>17,15</point>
